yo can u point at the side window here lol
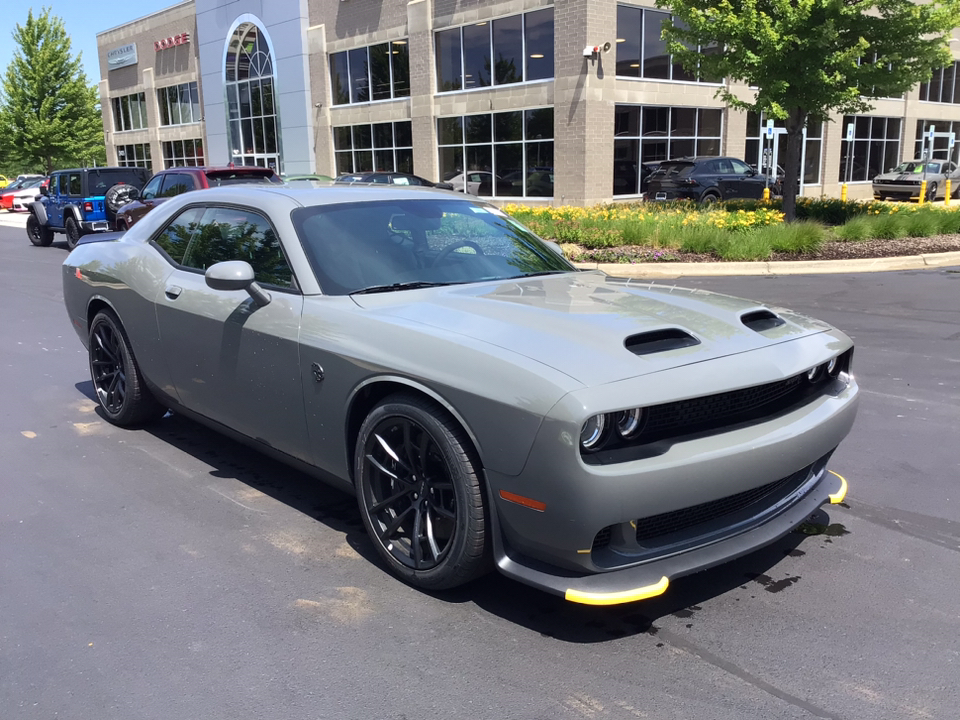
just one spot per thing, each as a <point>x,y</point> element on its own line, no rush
<point>152,188</point>
<point>74,187</point>
<point>741,168</point>
<point>235,234</point>
<point>52,188</point>
<point>174,184</point>
<point>176,236</point>
<point>380,179</point>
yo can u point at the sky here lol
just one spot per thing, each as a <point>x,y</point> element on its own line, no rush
<point>83,19</point>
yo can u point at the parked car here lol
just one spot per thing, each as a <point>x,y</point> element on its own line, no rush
<point>18,199</point>
<point>704,180</point>
<point>480,182</point>
<point>903,182</point>
<point>81,201</point>
<point>175,181</point>
<point>391,178</point>
<point>307,178</point>
<point>490,405</point>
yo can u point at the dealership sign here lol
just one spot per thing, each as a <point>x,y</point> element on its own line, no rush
<point>181,39</point>
<point>122,56</point>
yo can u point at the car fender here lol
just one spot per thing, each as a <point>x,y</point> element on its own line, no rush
<point>38,209</point>
<point>69,210</point>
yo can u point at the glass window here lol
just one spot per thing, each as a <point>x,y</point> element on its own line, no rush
<point>506,154</point>
<point>175,237</point>
<point>133,155</point>
<point>183,153</point>
<point>400,67</point>
<point>756,125</point>
<point>175,184</point>
<point>179,104</point>
<point>129,112</point>
<point>74,184</point>
<point>339,79</point>
<point>641,51</point>
<point>237,234</point>
<point>508,50</point>
<point>538,37</point>
<point>650,134</point>
<point>476,55</point>
<point>875,147</point>
<point>377,72</point>
<point>251,111</point>
<point>359,75</point>
<point>151,189</point>
<point>392,145</point>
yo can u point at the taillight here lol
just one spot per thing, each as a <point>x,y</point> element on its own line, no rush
<point>687,181</point>
<point>88,206</point>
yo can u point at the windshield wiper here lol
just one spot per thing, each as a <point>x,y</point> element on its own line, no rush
<point>416,284</point>
<point>538,274</point>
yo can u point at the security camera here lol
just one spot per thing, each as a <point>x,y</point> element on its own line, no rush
<point>588,51</point>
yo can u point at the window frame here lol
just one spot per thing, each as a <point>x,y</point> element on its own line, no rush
<point>489,23</point>
<point>165,103</point>
<point>117,109</point>
<point>349,86</point>
<point>373,149</point>
<point>205,207</point>
<point>869,141</point>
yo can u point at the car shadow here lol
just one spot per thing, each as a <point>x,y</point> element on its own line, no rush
<point>548,615</point>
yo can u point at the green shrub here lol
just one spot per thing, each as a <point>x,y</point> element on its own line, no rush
<point>800,237</point>
<point>745,246</point>
<point>889,227</point>
<point>700,239</point>
<point>948,221</point>
<point>923,223</point>
<point>859,228</point>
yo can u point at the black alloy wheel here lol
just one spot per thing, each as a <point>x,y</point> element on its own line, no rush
<point>73,232</point>
<point>39,235</point>
<point>117,380</point>
<point>420,493</point>
<point>931,192</point>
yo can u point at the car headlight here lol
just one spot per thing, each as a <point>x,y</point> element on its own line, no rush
<point>814,373</point>
<point>592,431</point>
<point>833,367</point>
<point>629,422</point>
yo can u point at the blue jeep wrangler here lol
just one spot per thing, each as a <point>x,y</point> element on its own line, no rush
<point>82,201</point>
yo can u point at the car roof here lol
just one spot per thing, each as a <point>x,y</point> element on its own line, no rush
<point>100,169</point>
<point>264,195</point>
<point>218,169</point>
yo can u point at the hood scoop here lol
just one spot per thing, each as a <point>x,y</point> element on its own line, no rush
<point>762,320</point>
<point>657,341</point>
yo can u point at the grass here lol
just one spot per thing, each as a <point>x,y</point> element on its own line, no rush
<point>735,230</point>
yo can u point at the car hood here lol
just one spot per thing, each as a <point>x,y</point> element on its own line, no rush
<point>595,328</point>
<point>909,176</point>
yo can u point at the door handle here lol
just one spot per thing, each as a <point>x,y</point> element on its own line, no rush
<point>173,292</point>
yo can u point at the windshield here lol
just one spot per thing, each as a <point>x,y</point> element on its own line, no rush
<point>363,245</point>
<point>917,167</point>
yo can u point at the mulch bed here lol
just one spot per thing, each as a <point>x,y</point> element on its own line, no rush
<point>829,251</point>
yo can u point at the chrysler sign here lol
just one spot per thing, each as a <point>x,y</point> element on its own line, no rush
<point>122,56</point>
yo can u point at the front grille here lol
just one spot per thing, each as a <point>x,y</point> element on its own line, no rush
<point>678,520</point>
<point>705,412</point>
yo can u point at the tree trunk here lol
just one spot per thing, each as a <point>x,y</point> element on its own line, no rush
<point>792,170</point>
<point>49,164</point>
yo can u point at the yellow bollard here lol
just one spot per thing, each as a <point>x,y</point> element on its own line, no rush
<point>843,192</point>
<point>766,194</point>
<point>946,198</point>
<point>923,191</point>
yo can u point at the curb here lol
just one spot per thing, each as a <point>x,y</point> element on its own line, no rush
<point>796,267</point>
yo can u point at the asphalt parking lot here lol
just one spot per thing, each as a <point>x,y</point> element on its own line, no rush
<point>171,573</point>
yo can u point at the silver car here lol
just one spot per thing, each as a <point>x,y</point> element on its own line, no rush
<point>488,404</point>
<point>904,181</point>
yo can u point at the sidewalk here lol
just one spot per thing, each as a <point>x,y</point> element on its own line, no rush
<point>8,219</point>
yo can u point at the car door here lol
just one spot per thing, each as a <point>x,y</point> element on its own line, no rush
<point>749,183</point>
<point>230,359</point>
<point>54,204</point>
<point>146,202</point>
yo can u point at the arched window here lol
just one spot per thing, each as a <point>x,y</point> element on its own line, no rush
<point>251,99</point>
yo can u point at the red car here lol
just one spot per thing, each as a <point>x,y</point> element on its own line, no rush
<point>175,181</point>
<point>18,193</point>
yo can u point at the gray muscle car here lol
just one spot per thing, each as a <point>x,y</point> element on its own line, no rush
<point>904,181</point>
<point>488,404</point>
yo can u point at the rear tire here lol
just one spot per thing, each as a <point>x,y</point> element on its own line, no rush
<point>117,380</point>
<point>932,192</point>
<point>73,232</point>
<point>709,199</point>
<point>39,235</point>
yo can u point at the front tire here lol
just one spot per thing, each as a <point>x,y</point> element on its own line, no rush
<point>932,192</point>
<point>72,232</point>
<point>121,390</point>
<point>39,235</point>
<point>420,492</point>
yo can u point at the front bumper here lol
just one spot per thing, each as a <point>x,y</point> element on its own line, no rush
<point>902,189</point>
<point>649,580</point>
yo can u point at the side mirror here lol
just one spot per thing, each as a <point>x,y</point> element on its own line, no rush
<point>236,275</point>
<point>44,190</point>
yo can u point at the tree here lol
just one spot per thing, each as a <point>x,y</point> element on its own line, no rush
<point>49,114</point>
<point>810,58</point>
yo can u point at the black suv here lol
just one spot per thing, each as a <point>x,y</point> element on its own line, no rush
<point>82,200</point>
<point>705,179</point>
